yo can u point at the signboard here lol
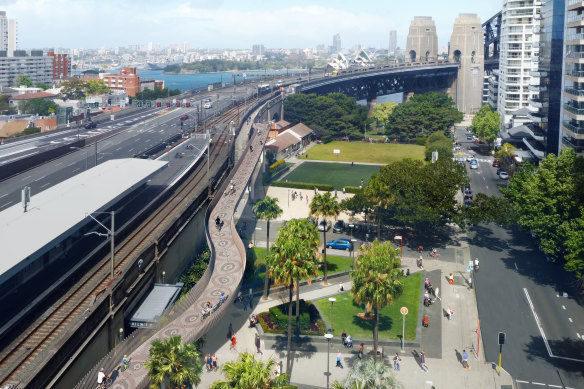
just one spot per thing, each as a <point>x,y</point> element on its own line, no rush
<point>404,310</point>
<point>336,151</point>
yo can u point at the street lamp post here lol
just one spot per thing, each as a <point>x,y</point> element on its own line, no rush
<point>332,300</point>
<point>110,234</point>
<point>328,354</point>
<point>354,242</point>
<point>401,244</point>
<point>163,276</point>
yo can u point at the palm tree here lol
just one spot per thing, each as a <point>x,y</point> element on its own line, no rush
<point>377,280</point>
<point>326,206</point>
<point>173,361</point>
<point>267,209</point>
<point>367,374</point>
<point>377,191</point>
<point>247,373</point>
<point>294,255</point>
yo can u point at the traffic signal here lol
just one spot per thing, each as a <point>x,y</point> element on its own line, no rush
<point>501,338</point>
<point>96,104</point>
<point>139,103</point>
<point>149,104</point>
<point>188,105</point>
<point>168,104</point>
<point>158,104</point>
<point>178,105</point>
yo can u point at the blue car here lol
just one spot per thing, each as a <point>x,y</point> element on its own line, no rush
<point>340,244</point>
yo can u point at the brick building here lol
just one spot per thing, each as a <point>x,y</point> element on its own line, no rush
<point>127,81</point>
<point>61,65</point>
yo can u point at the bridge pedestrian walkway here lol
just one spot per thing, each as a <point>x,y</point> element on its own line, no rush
<point>223,274</point>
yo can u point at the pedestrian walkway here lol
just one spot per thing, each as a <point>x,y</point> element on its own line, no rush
<point>309,367</point>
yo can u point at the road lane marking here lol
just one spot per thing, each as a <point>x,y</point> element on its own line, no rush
<point>118,149</point>
<point>563,306</point>
<point>26,178</point>
<point>60,163</point>
<point>554,386</point>
<point>537,383</point>
<point>6,204</point>
<point>4,195</point>
<point>76,170</point>
<point>48,183</point>
<point>570,319</point>
<point>522,382</point>
<point>129,151</point>
<point>515,263</point>
<point>578,335</point>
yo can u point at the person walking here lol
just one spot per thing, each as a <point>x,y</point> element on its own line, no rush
<point>451,279</point>
<point>423,361</point>
<point>233,342</point>
<point>258,344</point>
<point>476,264</point>
<point>360,355</point>
<point>396,361</point>
<point>339,356</point>
<point>214,360</point>
<point>465,364</point>
<point>436,293</point>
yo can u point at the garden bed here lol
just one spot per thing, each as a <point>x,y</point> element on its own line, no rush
<point>275,321</point>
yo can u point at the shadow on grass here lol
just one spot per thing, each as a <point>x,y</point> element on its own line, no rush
<point>385,323</point>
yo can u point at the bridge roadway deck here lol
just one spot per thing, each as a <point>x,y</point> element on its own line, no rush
<point>223,274</point>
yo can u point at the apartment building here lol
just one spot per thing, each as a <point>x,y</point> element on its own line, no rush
<point>127,81</point>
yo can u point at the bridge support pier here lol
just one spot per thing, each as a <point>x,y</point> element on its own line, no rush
<point>371,103</point>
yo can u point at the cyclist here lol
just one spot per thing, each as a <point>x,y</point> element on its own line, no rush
<point>102,378</point>
<point>125,362</point>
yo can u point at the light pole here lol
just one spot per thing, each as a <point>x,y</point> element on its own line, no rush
<point>254,240</point>
<point>332,300</point>
<point>401,244</point>
<point>86,154</point>
<point>163,275</point>
<point>354,241</point>
<point>121,332</point>
<point>328,354</point>
<point>110,234</point>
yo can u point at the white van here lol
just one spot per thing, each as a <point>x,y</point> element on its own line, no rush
<point>208,105</point>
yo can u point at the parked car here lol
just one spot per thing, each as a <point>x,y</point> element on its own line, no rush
<point>340,244</point>
<point>470,157</point>
<point>468,193</point>
<point>467,202</point>
<point>496,163</point>
<point>499,170</point>
<point>474,164</point>
<point>503,175</point>
<point>324,226</point>
<point>90,125</point>
<point>467,187</point>
<point>468,137</point>
<point>339,226</point>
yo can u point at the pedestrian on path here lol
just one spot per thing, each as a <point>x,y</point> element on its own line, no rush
<point>208,362</point>
<point>339,356</point>
<point>360,355</point>
<point>396,361</point>
<point>306,199</point>
<point>465,364</point>
<point>476,264</point>
<point>423,361</point>
<point>233,342</point>
<point>449,313</point>
<point>451,279</point>
<point>258,344</point>
<point>214,360</point>
<point>436,293</point>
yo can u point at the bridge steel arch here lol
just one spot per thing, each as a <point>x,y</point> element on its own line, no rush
<point>368,85</point>
<point>223,275</point>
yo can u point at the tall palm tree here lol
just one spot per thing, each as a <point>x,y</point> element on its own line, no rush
<point>294,255</point>
<point>326,206</point>
<point>367,374</point>
<point>377,280</point>
<point>267,209</point>
<point>173,361</point>
<point>377,191</point>
<point>247,373</point>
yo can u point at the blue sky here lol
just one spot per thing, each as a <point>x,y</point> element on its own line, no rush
<point>230,23</point>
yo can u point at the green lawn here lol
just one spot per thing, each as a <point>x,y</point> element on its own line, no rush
<point>382,153</point>
<point>338,175</point>
<point>390,318</point>
<point>255,278</point>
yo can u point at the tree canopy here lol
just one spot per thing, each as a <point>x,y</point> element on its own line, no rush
<point>440,143</point>
<point>25,81</point>
<point>73,89</point>
<point>157,93</point>
<point>38,107</point>
<point>247,373</point>
<point>267,209</point>
<point>175,361</point>
<point>423,115</point>
<point>381,112</point>
<point>336,113</point>
<point>96,87</point>
<point>485,124</point>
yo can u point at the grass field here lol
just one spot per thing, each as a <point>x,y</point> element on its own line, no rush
<point>382,153</point>
<point>338,175</point>
<point>390,319</point>
<point>255,279</point>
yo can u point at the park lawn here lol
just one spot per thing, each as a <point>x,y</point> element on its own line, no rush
<point>381,153</point>
<point>339,175</point>
<point>255,279</point>
<point>390,319</point>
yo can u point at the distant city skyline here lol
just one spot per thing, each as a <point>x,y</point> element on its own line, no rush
<point>229,24</point>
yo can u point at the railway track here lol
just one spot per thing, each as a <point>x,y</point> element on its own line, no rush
<point>22,355</point>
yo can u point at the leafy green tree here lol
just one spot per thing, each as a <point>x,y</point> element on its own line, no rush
<point>25,81</point>
<point>38,107</point>
<point>368,374</point>
<point>293,256</point>
<point>381,112</point>
<point>490,209</point>
<point>267,209</point>
<point>377,193</point>
<point>358,204</point>
<point>506,157</point>
<point>42,86</point>
<point>325,206</point>
<point>195,271</point>
<point>485,124</point>
<point>157,93</point>
<point>5,107</point>
<point>377,280</point>
<point>424,114</point>
<point>438,142</point>
<point>27,131</point>
<point>575,246</point>
<point>96,86</point>
<point>247,373</point>
<point>73,89</point>
<point>173,361</point>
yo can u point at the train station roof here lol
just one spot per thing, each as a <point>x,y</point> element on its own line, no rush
<point>158,300</point>
<point>56,212</point>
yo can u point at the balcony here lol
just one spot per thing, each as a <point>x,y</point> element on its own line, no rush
<point>538,103</point>
<point>573,5</point>
<point>575,132</point>
<point>574,94</point>
<point>573,144</point>
<point>536,117</point>
<point>535,147</point>
<point>537,88</point>
<point>538,73</point>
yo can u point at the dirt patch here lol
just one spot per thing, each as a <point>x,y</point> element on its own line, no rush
<point>365,316</point>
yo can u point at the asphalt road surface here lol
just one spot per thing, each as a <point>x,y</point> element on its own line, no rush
<point>520,293</point>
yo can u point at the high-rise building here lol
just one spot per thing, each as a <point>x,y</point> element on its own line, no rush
<point>519,56</point>
<point>258,50</point>
<point>392,41</point>
<point>573,109</point>
<point>8,37</point>
<point>61,65</point>
<point>336,43</point>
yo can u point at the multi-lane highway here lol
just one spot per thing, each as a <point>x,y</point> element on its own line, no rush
<point>522,294</point>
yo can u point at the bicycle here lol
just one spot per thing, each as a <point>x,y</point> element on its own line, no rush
<point>107,382</point>
<point>125,366</point>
